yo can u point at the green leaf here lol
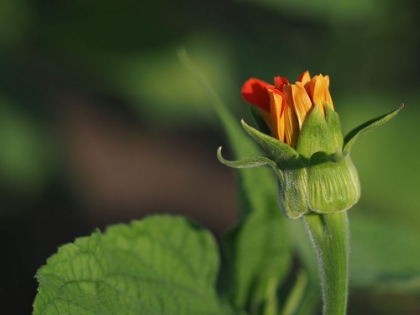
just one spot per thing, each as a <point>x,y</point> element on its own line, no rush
<point>161,265</point>
<point>240,143</point>
<point>363,129</point>
<point>258,247</point>
<point>296,294</point>
<point>260,255</point>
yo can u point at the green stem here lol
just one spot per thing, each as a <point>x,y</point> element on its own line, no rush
<point>330,237</point>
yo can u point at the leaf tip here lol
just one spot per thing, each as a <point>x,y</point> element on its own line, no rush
<point>246,127</point>
<point>220,157</point>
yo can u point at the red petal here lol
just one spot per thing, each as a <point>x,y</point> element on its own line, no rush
<point>254,91</point>
<point>279,82</point>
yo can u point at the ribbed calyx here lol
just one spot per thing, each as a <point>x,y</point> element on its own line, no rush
<point>317,175</point>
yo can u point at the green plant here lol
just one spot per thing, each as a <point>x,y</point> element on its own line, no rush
<point>170,265</point>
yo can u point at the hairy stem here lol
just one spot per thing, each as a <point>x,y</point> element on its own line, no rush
<point>329,234</point>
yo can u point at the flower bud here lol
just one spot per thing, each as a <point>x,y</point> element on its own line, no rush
<point>305,147</point>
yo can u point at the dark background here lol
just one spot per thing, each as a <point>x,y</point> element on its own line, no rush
<point>100,123</point>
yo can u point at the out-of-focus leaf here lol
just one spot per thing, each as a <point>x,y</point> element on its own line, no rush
<point>153,81</point>
<point>260,253</point>
<point>14,22</point>
<point>326,9</point>
<point>296,295</point>
<point>258,246</point>
<point>25,158</point>
<point>158,86</point>
<point>161,265</point>
<point>385,254</point>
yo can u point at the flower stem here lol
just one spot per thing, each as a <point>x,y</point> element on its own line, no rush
<point>329,234</point>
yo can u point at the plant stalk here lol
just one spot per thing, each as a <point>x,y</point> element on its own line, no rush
<point>329,234</point>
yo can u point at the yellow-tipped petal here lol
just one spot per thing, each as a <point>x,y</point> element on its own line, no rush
<point>320,92</point>
<point>301,102</point>
<point>327,80</point>
<point>291,123</point>
<point>305,77</point>
<point>276,112</point>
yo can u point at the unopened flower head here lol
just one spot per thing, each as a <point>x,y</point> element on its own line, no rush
<point>285,106</point>
<point>304,144</point>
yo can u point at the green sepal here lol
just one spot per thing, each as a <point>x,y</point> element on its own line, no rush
<point>316,135</point>
<point>249,162</point>
<point>333,183</point>
<point>293,193</point>
<point>318,176</point>
<point>334,126</point>
<point>280,152</point>
<point>291,181</point>
<point>363,129</point>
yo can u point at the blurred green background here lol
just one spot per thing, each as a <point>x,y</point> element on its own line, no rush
<point>100,123</point>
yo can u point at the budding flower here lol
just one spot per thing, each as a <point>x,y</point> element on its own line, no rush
<point>285,106</point>
<point>305,147</point>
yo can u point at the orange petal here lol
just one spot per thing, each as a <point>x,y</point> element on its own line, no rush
<point>291,123</point>
<point>277,103</point>
<point>305,77</point>
<point>254,91</point>
<point>320,92</point>
<point>327,80</point>
<point>301,102</point>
